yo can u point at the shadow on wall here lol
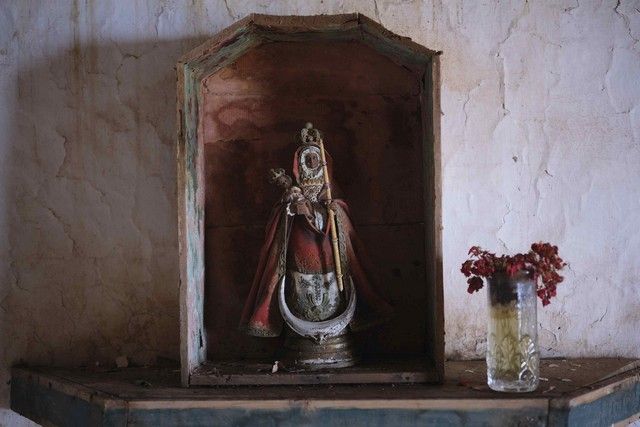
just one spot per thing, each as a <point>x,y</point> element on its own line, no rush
<point>91,209</point>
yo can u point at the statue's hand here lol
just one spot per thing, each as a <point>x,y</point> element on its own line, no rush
<point>301,208</point>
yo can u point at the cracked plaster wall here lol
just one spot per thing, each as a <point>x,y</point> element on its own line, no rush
<point>540,141</point>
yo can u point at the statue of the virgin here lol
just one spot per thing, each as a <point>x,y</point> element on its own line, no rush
<point>311,280</point>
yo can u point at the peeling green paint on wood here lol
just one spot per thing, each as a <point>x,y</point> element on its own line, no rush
<point>52,407</point>
<point>338,417</point>
<point>621,403</point>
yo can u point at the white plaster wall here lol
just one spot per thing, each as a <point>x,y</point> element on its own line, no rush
<point>540,137</point>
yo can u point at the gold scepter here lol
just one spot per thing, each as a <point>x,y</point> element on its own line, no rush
<point>332,217</point>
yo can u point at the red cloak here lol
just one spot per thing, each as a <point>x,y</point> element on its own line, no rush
<point>312,248</point>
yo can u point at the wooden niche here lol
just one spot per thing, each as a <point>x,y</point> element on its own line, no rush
<point>243,96</point>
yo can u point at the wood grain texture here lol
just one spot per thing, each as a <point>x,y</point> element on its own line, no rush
<point>433,199</point>
<point>383,371</point>
<point>189,236</point>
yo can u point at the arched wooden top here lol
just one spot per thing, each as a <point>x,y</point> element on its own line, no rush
<point>256,29</point>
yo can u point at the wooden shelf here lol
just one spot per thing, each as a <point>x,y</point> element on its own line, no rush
<point>247,373</point>
<point>577,392</point>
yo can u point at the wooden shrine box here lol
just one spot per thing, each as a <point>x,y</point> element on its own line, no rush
<point>243,97</point>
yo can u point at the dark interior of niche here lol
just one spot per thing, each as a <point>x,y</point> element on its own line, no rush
<point>368,108</point>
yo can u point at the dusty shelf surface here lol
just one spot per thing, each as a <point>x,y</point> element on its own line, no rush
<point>396,371</point>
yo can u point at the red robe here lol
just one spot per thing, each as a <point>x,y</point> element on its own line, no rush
<point>312,248</point>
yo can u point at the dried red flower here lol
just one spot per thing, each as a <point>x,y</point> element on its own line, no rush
<point>474,250</point>
<point>541,263</point>
<point>475,284</point>
<point>466,268</point>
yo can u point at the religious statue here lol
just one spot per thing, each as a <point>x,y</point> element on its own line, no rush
<point>311,280</point>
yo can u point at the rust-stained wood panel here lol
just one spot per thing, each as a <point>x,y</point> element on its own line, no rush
<point>369,111</point>
<point>374,143</point>
<point>367,107</point>
<point>324,68</point>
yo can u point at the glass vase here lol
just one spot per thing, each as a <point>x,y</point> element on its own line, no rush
<point>513,359</point>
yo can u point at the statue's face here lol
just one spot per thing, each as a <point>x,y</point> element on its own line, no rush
<point>310,163</point>
<point>312,160</point>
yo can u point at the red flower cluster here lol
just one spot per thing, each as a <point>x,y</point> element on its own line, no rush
<point>541,262</point>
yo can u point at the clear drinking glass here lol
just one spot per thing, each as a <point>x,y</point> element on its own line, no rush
<point>513,359</point>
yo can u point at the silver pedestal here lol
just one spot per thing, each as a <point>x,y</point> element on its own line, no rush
<point>304,354</point>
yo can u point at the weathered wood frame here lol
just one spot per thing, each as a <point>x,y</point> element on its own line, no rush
<point>222,50</point>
